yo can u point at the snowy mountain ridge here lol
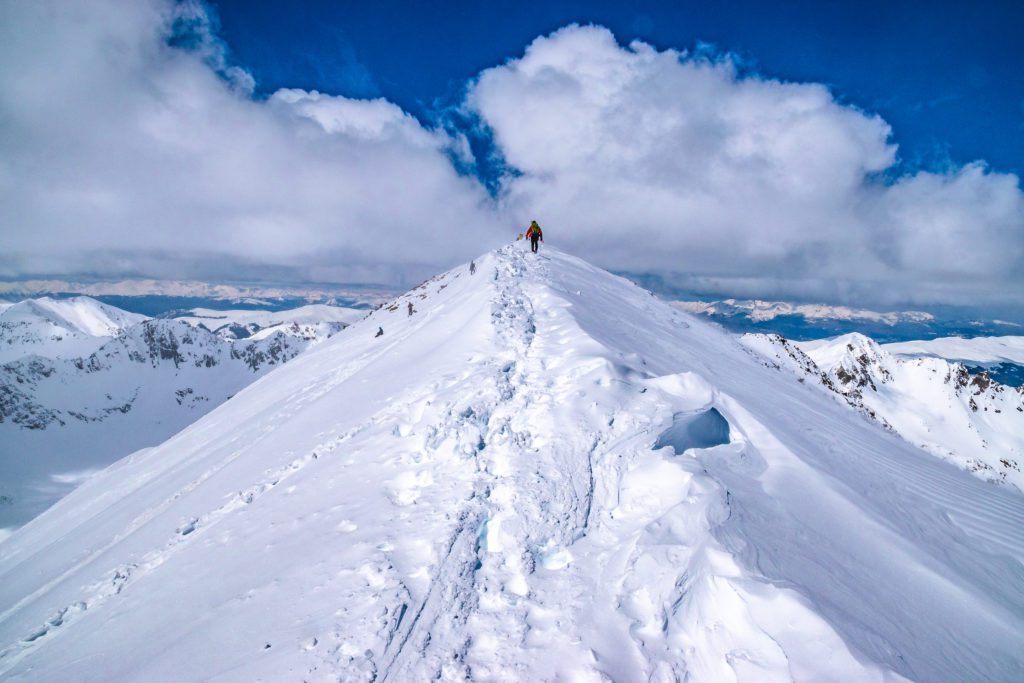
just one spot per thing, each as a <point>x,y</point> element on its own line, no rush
<point>542,473</point>
<point>967,419</point>
<point>760,310</point>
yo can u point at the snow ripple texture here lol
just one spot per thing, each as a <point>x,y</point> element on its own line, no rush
<point>477,494</point>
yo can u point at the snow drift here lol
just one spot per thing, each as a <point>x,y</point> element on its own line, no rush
<point>478,493</point>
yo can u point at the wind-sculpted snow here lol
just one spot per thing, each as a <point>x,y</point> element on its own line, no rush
<point>477,493</point>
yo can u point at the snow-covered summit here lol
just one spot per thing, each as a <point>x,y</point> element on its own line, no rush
<point>79,314</point>
<point>59,328</point>
<point>540,473</point>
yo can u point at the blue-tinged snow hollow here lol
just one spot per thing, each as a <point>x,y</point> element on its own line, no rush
<point>702,429</point>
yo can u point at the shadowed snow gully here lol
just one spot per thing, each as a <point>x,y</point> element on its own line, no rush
<point>542,472</point>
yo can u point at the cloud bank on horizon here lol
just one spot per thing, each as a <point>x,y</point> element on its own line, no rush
<point>126,149</point>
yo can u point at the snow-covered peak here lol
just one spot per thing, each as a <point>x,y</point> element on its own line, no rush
<point>80,314</point>
<point>533,471</point>
<point>60,328</point>
<point>855,359</point>
<point>831,352</point>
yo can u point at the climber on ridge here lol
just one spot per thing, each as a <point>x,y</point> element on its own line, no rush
<point>534,233</point>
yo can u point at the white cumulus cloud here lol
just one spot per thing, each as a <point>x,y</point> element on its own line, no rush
<point>656,160</point>
<point>131,145</point>
<point>121,154</point>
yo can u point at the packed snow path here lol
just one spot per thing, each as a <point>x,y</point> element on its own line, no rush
<point>477,493</point>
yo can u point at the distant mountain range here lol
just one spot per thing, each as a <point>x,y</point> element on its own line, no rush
<point>83,384</point>
<point>816,321</point>
<point>794,320</point>
<point>253,295</point>
<point>761,311</point>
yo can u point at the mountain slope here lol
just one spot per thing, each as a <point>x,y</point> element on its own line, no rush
<point>477,492</point>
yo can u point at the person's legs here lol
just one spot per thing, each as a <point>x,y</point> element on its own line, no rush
<point>533,243</point>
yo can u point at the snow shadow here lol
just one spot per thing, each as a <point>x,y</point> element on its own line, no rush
<point>695,430</point>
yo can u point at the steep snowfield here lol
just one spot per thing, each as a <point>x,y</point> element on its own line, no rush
<point>311,320</point>
<point>478,492</point>
<point>59,328</point>
<point>982,351</point>
<point>63,419</point>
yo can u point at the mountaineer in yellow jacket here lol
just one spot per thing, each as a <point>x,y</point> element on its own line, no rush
<point>535,235</point>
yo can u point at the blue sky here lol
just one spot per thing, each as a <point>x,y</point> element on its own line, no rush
<point>948,76</point>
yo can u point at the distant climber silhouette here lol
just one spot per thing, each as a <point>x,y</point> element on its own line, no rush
<point>535,234</point>
<point>380,332</point>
